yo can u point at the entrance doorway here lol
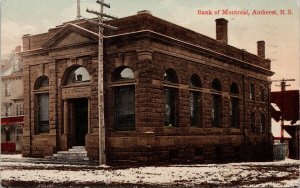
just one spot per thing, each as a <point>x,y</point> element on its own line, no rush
<point>79,120</point>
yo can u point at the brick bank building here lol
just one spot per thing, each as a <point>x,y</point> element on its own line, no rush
<point>171,94</point>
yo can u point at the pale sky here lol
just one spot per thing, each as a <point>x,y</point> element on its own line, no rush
<point>280,32</point>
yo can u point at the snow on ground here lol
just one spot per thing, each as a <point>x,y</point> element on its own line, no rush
<point>249,174</point>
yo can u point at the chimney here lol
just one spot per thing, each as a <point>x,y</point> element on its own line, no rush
<point>144,12</point>
<point>26,42</point>
<point>18,49</point>
<point>221,30</point>
<point>261,48</point>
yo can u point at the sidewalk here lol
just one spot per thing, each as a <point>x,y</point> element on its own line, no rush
<point>29,172</point>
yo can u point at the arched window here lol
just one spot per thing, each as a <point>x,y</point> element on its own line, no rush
<point>216,103</point>
<point>124,99</point>
<point>171,96</point>
<point>123,74</point>
<point>195,100</point>
<point>234,106</point>
<point>78,75</point>
<point>41,87</point>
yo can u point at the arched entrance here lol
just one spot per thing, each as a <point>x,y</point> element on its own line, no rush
<point>76,107</point>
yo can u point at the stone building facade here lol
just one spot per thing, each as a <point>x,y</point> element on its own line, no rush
<point>171,94</point>
<point>11,102</point>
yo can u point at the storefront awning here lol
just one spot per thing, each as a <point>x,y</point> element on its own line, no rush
<point>12,120</point>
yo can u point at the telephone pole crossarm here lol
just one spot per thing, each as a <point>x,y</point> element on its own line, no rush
<point>101,24</point>
<point>101,14</point>
<point>103,4</point>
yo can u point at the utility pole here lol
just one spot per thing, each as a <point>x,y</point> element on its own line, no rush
<point>101,26</point>
<point>78,10</point>
<point>283,89</point>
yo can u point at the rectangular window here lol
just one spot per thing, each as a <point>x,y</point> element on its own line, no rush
<point>252,122</point>
<point>234,112</point>
<point>19,134</point>
<point>43,113</point>
<point>262,94</point>
<point>17,109</point>
<point>7,110</point>
<point>216,110</point>
<point>124,108</point>
<point>194,109</point>
<point>252,92</point>
<point>7,89</point>
<point>21,109</point>
<point>170,106</point>
<point>262,123</point>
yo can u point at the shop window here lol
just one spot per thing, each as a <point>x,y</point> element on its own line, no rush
<point>171,97</point>
<point>216,103</point>
<point>195,101</point>
<point>124,99</point>
<point>234,105</point>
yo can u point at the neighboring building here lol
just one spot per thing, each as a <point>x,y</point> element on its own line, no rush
<point>171,94</point>
<point>12,112</point>
<point>289,104</point>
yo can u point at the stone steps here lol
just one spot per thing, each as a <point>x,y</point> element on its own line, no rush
<point>75,154</point>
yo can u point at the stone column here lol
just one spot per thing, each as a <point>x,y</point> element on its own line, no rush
<point>66,117</point>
